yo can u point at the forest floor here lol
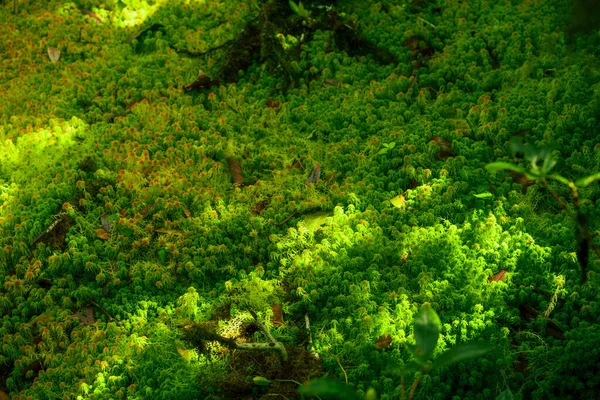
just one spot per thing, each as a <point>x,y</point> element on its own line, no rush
<point>183,180</point>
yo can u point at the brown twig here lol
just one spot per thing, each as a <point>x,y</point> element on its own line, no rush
<point>92,302</point>
<point>414,387</point>
<point>402,387</point>
<point>287,219</point>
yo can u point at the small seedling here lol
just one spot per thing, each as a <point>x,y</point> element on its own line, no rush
<point>427,327</point>
<point>299,9</point>
<point>386,147</point>
<point>541,163</point>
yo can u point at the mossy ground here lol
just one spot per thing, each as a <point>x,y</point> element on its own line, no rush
<point>116,196</point>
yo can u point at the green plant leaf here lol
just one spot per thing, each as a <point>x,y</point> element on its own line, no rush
<point>460,353</point>
<point>506,395</point>
<point>261,381</point>
<point>382,151</point>
<point>294,7</point>
<point>485,195</point>
<point>501,166</point>
<point>549,163</point>
<point>583,182</point>
<point>303,12</point>
<point>330,388</point>
<point>427,326</point>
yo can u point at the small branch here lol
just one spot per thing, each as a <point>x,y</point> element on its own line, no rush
<point>287,219</point>
<point>414,387</point>
<point>202,53</point>
<point>403,389</point>
<point>427,22</point>
<point>274,343</point>
<point>343,370</point>
<point>92,302</point>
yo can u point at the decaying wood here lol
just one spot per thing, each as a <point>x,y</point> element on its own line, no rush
<point>274,345</point>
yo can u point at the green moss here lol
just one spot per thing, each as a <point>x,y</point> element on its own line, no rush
<point>115,190</point>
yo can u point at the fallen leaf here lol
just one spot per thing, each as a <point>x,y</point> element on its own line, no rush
<point>404,257</point>
<point>102,234</point>
<point>86,316</point>
<point>236,171</point>
<point>108,221</point>
<point>146,210</point>
<point>315,174</point>
<point>331,82</point>
<point>398,201</point>
<point>187,213</point>
<point>259,206</point>
<point>91,14</point>
<point>202,82</point>
<point>277,318</point>
<point>499,276</point>
<point>383,341</point>
<point>185,353</point>
<point>54,54</point>
<point>273,103</point>
<point>445,147</point>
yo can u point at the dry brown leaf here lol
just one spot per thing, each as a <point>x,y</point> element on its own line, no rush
<point>146,210</point>
<point>86,315</point>
<point>260,206</point>
<point>315,174</point>
<point>277,318</point>
<point>499,276</point>
<point>91,14</point>
<point>384,341</point>
<point>54,54</point>
<point>187,213</point>
<point>445,147</point>
<point>236,171</point>
<point>202,82</point>
<point>102,234</point>
<point>273,103</point>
